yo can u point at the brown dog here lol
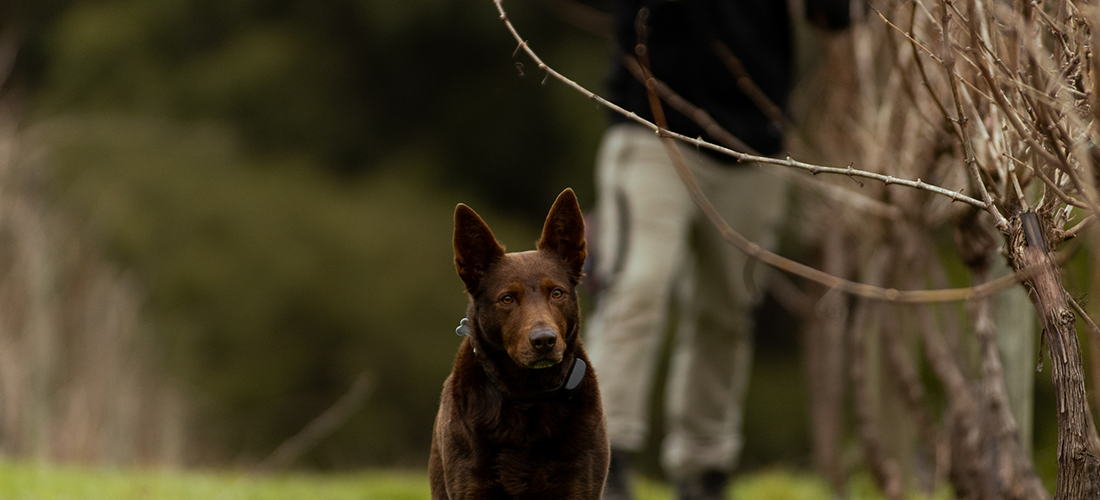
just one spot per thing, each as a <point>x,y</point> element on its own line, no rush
<point>520,416</point>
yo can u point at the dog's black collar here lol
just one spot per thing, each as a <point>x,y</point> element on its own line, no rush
<point>573,378</point>
<point>568,387</point>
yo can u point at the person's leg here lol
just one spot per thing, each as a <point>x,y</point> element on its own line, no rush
<point>641,252</point>
<point>712,360</point>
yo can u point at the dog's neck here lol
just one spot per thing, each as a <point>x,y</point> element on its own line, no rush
<point>569,386</point>
<point>570,383</point>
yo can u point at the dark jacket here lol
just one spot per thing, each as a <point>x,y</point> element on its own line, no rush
<point>680,51</point>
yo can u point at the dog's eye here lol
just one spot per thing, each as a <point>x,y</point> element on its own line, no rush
<point>507,299</point>
<point>557,293</point>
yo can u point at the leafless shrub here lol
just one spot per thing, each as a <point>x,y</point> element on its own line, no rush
<point>79,380</point>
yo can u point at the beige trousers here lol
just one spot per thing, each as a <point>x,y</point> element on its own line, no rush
<point>654,248</point>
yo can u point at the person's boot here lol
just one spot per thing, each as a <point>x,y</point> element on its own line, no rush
<point>709,485</point>
<point>619,475</point>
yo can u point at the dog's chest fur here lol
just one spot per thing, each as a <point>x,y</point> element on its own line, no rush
<point>528,449</point>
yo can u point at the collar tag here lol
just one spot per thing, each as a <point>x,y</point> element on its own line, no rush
<point>573,379</point>
<point>463,329</point>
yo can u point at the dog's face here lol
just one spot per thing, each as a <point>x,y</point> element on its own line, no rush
<point>525,302</point>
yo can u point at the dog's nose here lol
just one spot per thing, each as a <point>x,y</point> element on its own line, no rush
<point>543,339</point>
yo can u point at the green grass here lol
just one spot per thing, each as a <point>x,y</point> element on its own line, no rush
<point>26,482</point>
<point>20,481</point>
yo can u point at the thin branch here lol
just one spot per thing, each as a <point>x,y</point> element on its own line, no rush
<point>1072,232</point>
<point>1094,330</point>
<point>961,122</point>
<point>1001,141</point>
<point>749,87</point>
<point>908,35</point>
<point>920,66</point>
<point>686,108</point>
<point>320,427</point>
<point>715,130</point>
<point>1065,198</point>
<point>583,17</point>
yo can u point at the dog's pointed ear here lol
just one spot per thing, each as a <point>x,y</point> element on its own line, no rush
<point>475,246</point>
<point>563,233</point>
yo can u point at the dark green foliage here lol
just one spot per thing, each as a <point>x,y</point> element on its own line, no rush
<point>344,82</point>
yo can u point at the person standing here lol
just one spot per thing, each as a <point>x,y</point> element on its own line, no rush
<point>654,248</point>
